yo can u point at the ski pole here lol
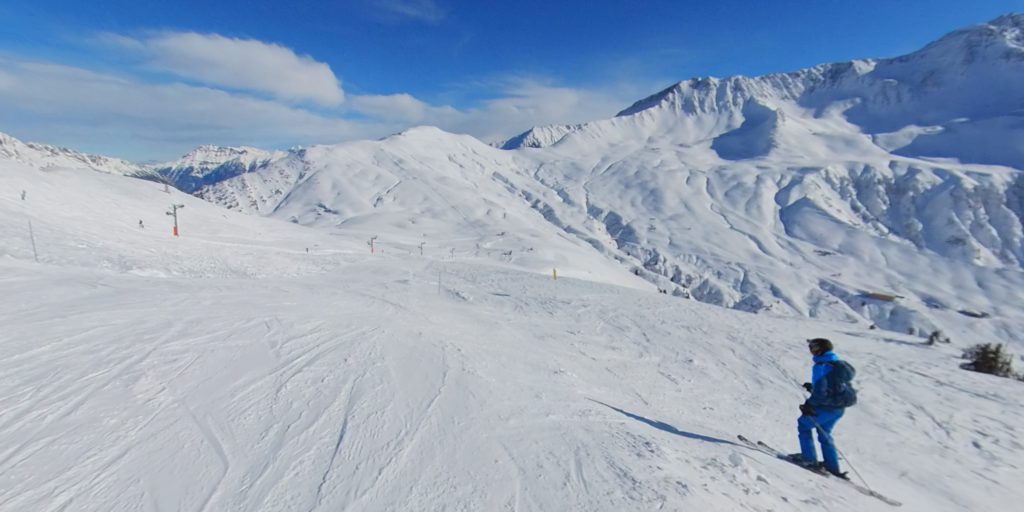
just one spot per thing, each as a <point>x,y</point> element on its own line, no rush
<point>821,431</point>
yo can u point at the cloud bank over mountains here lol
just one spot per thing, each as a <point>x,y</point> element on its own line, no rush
<point>155,95</point>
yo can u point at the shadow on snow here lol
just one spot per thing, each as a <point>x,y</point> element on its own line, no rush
<point>665,427</point>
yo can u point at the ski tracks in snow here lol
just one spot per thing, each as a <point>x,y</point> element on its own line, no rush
<point>274,411</point>
<point>337,445</point>
<point>63,405</point>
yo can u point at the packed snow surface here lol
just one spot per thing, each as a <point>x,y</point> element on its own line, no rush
<point>230,369</point>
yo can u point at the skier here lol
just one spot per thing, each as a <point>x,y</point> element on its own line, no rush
<point>831,394</point>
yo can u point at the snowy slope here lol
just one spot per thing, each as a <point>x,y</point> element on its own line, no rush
<point>91,220</point>
<point>815,240</point>
<point>422,186</point>
<point>771,235</point>
<point>229,370</point>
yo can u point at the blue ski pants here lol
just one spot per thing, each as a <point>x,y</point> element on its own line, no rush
<point>826,420</point>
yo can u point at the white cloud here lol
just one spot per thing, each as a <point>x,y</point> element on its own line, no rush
<point>84,109</point>
<point>423,10</point>
<point>130,118</point>
<point>245,64</point>
<point>517,104</point>
<point>400,107</point>
<point>521,103</point>
<point>6,80</point>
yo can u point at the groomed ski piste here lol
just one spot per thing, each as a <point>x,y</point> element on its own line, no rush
<point>230,369</point>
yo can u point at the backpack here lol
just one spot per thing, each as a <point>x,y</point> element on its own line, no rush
<point>839,388</point>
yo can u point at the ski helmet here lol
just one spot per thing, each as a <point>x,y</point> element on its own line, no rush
<point>819,345</point>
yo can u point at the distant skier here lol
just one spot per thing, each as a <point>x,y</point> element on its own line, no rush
<point>141,225</point>
<point>831,393</point>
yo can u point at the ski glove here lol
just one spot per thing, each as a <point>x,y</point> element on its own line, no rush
<point>807,410</point>
<point>808,386</point>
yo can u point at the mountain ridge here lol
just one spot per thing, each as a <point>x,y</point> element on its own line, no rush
<point>46,155</point>
<point>207,164</point>
<point>916,105</point>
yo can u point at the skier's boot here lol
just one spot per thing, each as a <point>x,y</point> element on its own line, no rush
<point>798,459</point>
<point>795,457</point>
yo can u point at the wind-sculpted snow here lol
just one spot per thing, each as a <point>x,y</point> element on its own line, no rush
<point>765,239</point>
<point>755,137</point>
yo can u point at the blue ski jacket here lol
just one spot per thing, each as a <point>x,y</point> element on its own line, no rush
<point>819,385</point>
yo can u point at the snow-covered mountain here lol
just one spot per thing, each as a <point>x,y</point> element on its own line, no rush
<point>46,156</point>
<point>880,192</point>
<point>209,164</point>
<point>867,191</point>
<point>420,186</point>
<point>959,97</point>
<point>539,137</point>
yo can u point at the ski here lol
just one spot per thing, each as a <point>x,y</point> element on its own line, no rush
<point>759,446</point>
<point>763,447</point>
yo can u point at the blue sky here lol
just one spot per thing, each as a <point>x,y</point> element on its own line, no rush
<point>150,79</point>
